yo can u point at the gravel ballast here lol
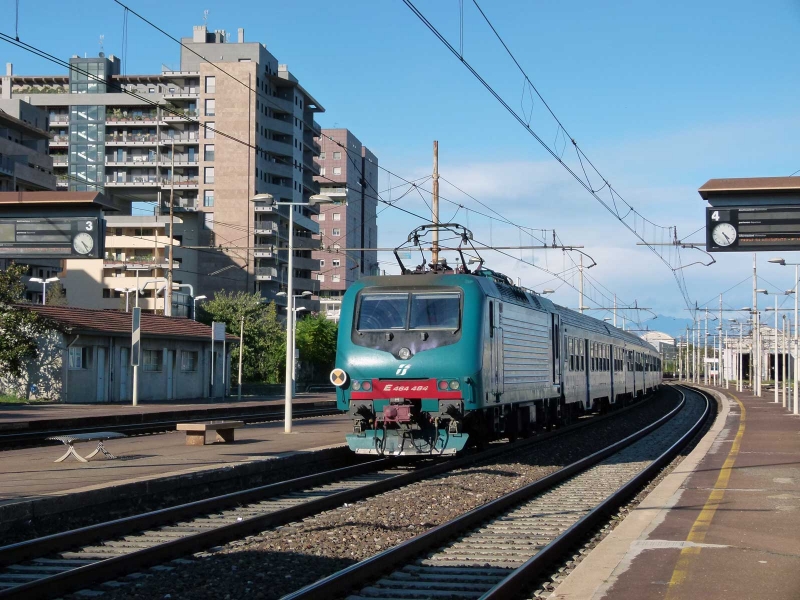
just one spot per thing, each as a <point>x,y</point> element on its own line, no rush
<point>276,562</point>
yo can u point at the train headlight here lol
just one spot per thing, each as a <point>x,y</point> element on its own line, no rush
<point>442,385</point>
<point>404,353</point>
<point>454,385</point>
<point>366,386</point>
<point>356,386</point>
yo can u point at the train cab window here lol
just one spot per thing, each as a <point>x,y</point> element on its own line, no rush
<point>382,311</point>
<point>435,311</point>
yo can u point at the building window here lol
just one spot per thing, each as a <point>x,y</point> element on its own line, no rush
<point>211,84</point>
<point>152,360</point>
<point>189,359</point>
<point>208,153</point>
<point>209,130</point>
<point>208,173</point>
<point>208,220</point>
<point>322,155</point>
<point>336,262</point>
<point>321,263</point>
<point>211,106</point>
<point>336,278</point>
<point>77,358</point>
<point>337,216</point>
<point>208,198</point>
<point>322,216</point>
<point>320,277</point>
<point>336,232</point>
<point>337,170</point>
<point>337,156</point>
<point>322,170</point>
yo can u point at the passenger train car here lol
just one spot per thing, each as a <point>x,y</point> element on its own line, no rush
<point>426,362</point>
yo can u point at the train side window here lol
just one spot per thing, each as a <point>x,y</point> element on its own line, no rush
<point>491,319</point>
<point>571,350</point>
<point>582,354</point>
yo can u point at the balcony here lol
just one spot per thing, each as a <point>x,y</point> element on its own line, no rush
<point>62,183</point>
<point>269,274</point>
<point>136,263</point>
<point>132,139</point>
<point>308,141</point>
<point>59,141</point>
<point>126,242</point>
<point>7,166</point>
<point>132,161</point>
<point>59,121</point>
<point>301,284</point>
<point>186,114</point>
<point>113,119</point>
<point>270,251</point>
<point>270,228</point>
<point>309,183</point>
<point>280,126</point>
<point>182,94</point>
<point>334,192</point>
<point>304,243</point>
<point>60,160</point>
<point>193,138</point>
<point>305,264</point>
<point>137,181</point>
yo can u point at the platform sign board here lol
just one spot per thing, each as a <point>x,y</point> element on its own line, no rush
<point>136,337</point>
<point>753,228</point>
<point>51,237</point>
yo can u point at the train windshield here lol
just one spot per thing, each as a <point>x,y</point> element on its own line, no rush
<point>381,312</point>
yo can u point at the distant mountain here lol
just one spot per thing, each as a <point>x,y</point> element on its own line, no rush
<point>673,326</point>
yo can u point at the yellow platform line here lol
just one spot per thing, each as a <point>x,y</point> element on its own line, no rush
<point>701,525</point>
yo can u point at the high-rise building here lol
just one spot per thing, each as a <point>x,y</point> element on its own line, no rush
<point>349,175</point>
<point>229,123</point>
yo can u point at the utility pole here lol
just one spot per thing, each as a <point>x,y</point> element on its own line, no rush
<point>705,351</point>
<point>435,206</point>
<point>720,372</point>
<point>168,294</point>
<point>580,291</point>
<point>241,351</point>
<point>756,353</point>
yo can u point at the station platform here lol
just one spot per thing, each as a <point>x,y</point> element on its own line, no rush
<point>22,417</point>
<point>725,523</point>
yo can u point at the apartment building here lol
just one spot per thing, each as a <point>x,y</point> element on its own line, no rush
<point>349,175</point>
<point>229,123</point>
<point>25,165</point>
<point>137,254</point>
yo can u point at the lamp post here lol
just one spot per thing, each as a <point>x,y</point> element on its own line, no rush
<point>775,345</point>
<point>296,310</point>
<point>127,292</point>
<point>194,305</point>
<point>269,200</point>
<point>44,283</point>
<point>796,365</point>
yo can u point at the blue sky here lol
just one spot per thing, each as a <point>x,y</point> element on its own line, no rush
<point>661,97</point>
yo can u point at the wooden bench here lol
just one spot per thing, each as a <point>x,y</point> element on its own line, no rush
<point>99,437</point>
<point>196,432</point>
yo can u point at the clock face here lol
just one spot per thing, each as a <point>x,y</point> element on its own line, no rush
<point>83,243</point>
<point>724,234</point>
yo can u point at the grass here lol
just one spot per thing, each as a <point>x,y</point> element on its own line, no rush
<point>8,399</point>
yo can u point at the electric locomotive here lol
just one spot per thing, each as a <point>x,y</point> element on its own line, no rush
<point>431,359</point>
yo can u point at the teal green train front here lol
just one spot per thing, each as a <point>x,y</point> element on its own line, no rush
<point>409,362</point>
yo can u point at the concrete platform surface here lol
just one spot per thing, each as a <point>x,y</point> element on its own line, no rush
<point>30,473</point>
<point>32,413</point>
<point>724,524</point>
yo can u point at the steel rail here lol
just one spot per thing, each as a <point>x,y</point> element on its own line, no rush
<point>370,569</point>
<point>107,569</point>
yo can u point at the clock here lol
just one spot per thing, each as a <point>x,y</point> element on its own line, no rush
<point>724,234</point>
<point>83,243</point>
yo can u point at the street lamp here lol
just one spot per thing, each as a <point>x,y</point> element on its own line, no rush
<point>783,263</point>
<point>44,283</point>
<point>296,310</point>
<point>194,305</point>
<point>269,200</point>
<point>127,292</point>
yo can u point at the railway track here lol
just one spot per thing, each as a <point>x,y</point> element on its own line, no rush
<point>51,566</point>
<point>16,439</point>
<point>498,550</point>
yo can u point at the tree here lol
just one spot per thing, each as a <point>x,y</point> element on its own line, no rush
<point>18,326</point>
<point>316,341</point>
<point>56,296</point>
<point>264,337</point>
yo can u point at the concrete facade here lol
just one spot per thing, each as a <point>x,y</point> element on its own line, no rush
<point>229,123</point>
<point>349,175</point>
